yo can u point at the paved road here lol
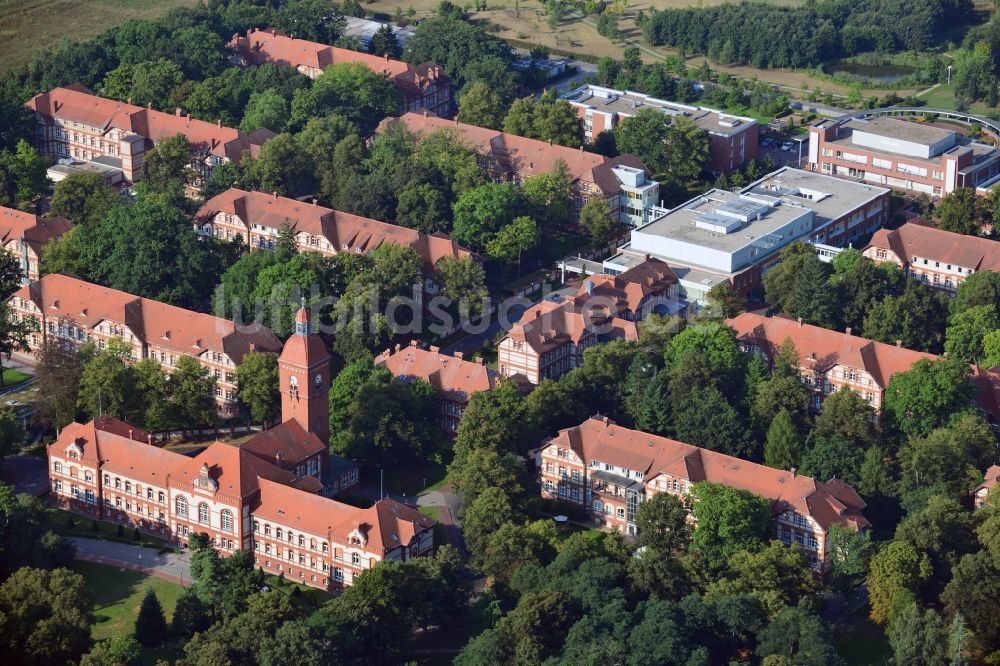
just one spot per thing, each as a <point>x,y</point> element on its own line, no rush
<point>446,503</point>
<point>174,566</point>
<point>472,343</point>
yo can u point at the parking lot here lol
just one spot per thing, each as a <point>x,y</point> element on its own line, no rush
<point>773,146</point>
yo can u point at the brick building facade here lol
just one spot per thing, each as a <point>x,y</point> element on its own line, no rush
<point>75,312</point>
<point>828,360</point>
<point>624,181</point>
<point>609,471</point>
<point>75,124</point>
<point>940,259</point>
<point>24,235</point>
<point>422,87</point>
<point>453,378</point>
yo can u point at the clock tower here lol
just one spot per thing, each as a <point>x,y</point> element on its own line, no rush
<point>304,378</point>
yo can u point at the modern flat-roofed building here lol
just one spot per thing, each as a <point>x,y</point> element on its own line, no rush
<point>624,181</point>
<point>940,259</point>
<point>364,29</point>
<point>717,236</point>
<point>843,210</point>
<point>422,87</point>
<point>903,155</point>
<point>24,235</point>
<point>732,139</point>
<point>74,312</point>
<point>609,471</point>
<point>828,360</point>
<point>75,124</point>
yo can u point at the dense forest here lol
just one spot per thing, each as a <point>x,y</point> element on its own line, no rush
<point>804,36</point>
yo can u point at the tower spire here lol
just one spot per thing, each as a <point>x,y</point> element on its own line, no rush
<point>302,326</point>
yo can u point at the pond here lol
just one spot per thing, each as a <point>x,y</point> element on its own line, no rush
<point>888,73</point>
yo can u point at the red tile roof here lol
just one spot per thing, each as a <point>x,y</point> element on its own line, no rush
<point>990,480</point>
<point>523,156</point>
<point>74,102</point>
<point>385,526</point>
<point>156,323</point>
<point>344,231</point>
<point>236,472</point>
<point>452,377</point>
<point>600,439</point>
<point>548,325</point>
<point>917,240</point>
<point>33,230</point>
<point>988,383</point>
<point>821,349</point>
<point>261,46</point>
<point>284,445</point>
<point>627,290</point>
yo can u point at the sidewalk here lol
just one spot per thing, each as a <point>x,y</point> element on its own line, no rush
<point>175,566</point>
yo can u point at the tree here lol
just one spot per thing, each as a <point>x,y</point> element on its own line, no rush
<point>943,531</point>
<point>916,318</point>
<point>393,423</point>
<point>11,433</point>
<point>595,218</point>
<point>783,449</point>
<point>967,330</point>
<point>777,577</point>
<point>150,623</point>
<point>781,391</point>
<point>550,195</point>
<point>481,105</point>
<point>513,546</point>
<point>463,279</point>
<point>57,377</point>
<point>22,176</point>
<point>833,457</point>
<point>513,240</point>
<point>663,525</point>
<point>357,93</point>
<point>555,121</point>
<point>800,637</point>
<point>282,167</point>
<point>980,288</point>
<point>45,616</point>
<point>917,637</point>
<point>83,198</point>
<point>687,150</point>
<point>106,381</point>
<point>780,280</point>
<point>703,418</point>
<point>897,567</point>
<point>385,43</point>
<point>143,83</point>
<point>957,212</point>
<point>727,520</point>
<point>121,650</point>
<point>849,553</point>
<point>14,334</point>
<point>257,378</point>
<point>846,414</point>
<point>482,211</point>
<point>925,396</point>
<point>725,301</point>
<point>484,517</point>
<point>645,136</point>
<point>653,407</point>
<point>167,167</point>
<point>811,298</point>
<point>971,593</point>
<point>191,387</point>
<point>266,108</point>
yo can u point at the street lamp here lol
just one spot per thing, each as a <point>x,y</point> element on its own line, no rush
<point>140,563</point>
<point>949,74</point>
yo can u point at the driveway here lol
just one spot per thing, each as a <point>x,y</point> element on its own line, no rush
<point>173,566</point>
<point>446,502</point>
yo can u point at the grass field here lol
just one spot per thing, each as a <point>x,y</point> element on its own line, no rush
<point>30,26</point>
<point>117,595</point>
<point>83,527</point>
<point>12,377</point>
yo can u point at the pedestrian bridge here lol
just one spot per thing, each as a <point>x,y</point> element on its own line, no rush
<point>951,114</point>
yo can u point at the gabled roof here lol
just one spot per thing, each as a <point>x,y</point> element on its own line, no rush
<point>987,380</point>
<point>627,290</point>
<point>990,480</point>
<point>35,231</point>
<point>260,46</point>
<point>526,157</point>
<point>548,325</point>
<point>821,349</point>
<point>344,231</point>
<point>918,240</point>
<point>156,323</point>
<point>74,102</point>
<point>285,445</point>
<point>106,443</point>
<point>385,526</point>
<point>600,439</point>
<point>235,471</point>
<point>452,377</point>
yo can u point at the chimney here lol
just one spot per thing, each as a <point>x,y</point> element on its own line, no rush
<point>899,343</point>
<point>177,112</point>
<point>130,433</point>
<point>459,355</point>
<point>387,57</point>
<point>398,346</point>
<point>218,123</point>
<point>130,101</point>
<point>550,142</point>
<point>435,350</point>
<point>315,201</point>
<point>149,438</point>
<point>581,147</point>
<point>848,330</point>
<point>479,360</point>
<point>425,113</point>
<point>274,194</point>
<point>274,33</point>
<point>800,321</point>
<point>794,472</point>
<point>149,106</point>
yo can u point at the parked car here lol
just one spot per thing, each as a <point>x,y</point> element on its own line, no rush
<point>766,141</point>
<point>787,145</point>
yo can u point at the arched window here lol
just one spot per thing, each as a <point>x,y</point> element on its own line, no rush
<point>319,381</point>
<point>227,520</point>
<point>203,513</point>
<point>182,507</point>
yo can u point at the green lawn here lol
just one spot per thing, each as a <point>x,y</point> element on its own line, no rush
<point>564,532</point>
<point>860,641</point>
<point>12,377</point>
<point>117,595</point>
<point>83,527</point>
<point>410,479</point>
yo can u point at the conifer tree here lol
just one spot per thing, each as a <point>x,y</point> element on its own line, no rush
<point>150,623</point>
<point>654,409</point>
<point>784,444</point>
